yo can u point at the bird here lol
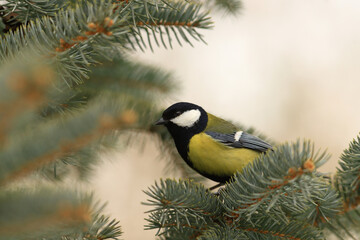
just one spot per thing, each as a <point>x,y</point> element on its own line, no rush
<point>212,146</point>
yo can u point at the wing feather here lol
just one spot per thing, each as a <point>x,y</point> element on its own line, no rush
<point>244,141</point>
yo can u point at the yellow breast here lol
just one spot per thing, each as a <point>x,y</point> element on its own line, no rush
<point>212,158</point>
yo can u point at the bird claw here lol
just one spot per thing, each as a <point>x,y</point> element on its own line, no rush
<point>219,191</point>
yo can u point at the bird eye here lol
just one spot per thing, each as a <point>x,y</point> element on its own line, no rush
<point>177,113</point>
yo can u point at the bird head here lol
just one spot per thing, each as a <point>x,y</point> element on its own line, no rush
<point>183,116</point>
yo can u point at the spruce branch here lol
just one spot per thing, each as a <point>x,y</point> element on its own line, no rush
<point>118,77</point>
<point>7,21</point>
<point>232,7</point>
<point>180,20</point>
<point>56,139</point>
<point>63,100</point>
<point>83,160</point>
<point>179,204</point>
<point>34,214</point>
<point>130,83</point>
<point>287,179</point>
<point>60,214</point>
<point>347,179</point>
<point>346,224</point>
<point>185,209</point>
<point>279,196</point>
<point>104,228</point>
<point>67,122</point>
<point>72,40</point>
<point>122,76</point>
<point>347,184</point>
<point>101,228</point>
<point>23,88</point>
<point>222,233</point>
<point>271,229</point>
<point>229,6</point>
<point>75,38</point>
<point>24,11</point>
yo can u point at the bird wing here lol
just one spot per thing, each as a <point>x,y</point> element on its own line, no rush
<point>240,139</point>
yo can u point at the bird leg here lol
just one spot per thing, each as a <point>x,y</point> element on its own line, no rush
<point>216,186</point>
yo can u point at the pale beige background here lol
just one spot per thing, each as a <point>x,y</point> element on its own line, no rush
<point>290,68</point>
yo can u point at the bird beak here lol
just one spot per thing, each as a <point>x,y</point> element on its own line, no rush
<point>161,121</point>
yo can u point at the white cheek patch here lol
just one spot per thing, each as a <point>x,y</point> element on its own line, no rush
<point>238,135</point>
<point>187,119</point>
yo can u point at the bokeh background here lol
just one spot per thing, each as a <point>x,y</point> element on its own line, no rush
<point>289,68</point>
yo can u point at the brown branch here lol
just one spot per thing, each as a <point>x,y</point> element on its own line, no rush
<point>165,23</point>
<point>9,20</point>
<point>182,225</point>
<point>272,233</point>
<point>319,218</point>
<point>194,236</point>
<point>93,29</point>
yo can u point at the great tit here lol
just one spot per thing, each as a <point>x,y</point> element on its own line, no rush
<point>213,147</point>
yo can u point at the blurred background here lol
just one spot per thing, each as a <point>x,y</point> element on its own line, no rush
<point>290,69</point>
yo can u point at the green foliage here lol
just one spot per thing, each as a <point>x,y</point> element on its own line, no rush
<point>228,6</point>
<point>346,225</point>
<point>347,179</point>
<point>347,183</point>
<point>178,204</point>
<point>232,7</point>
<point>185,210</point>
<point>279,196</point>
<point>76,38</point>
<point>31,214</point>
<point>223,233</point>
<point>123,77</point>
<point>102,227</point>
<point>161,22</point>
<point>68,90</point>
<point>29,10</point>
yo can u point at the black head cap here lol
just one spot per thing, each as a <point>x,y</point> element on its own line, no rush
<point>184,115</point>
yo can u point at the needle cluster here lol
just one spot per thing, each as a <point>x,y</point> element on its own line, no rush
<point>68,91</point>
